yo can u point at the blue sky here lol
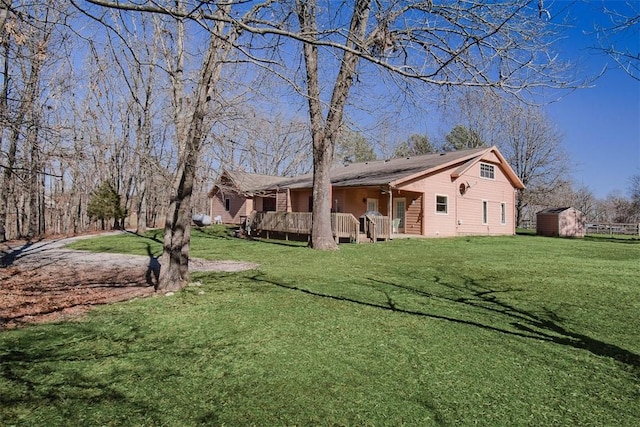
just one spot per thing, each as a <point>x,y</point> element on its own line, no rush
<point>601,124</point>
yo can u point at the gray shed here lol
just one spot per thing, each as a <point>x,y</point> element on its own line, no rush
<point>560,222</point>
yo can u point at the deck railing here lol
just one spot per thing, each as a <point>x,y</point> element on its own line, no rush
<point>282,222</point>
<point>376,227</point>
<point>343,225</point>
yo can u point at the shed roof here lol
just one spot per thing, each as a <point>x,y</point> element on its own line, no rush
<point>553,210</point>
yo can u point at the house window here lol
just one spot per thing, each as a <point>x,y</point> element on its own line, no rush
<point>442,204</point>
<point>227,204</point>
<point>487,171</point>
<point>269,204</point>
<point>372,205</point>
<point>503,213</point>
<point>485,212</point>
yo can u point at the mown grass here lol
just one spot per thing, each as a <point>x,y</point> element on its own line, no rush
<point>469,331</point>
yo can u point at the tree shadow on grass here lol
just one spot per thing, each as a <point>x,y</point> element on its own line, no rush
<point>152,274</point>
<point>27,367</point>
<point>154,237</point>
<point>80,367</point>
<point>526,324</point>
<point>613,239</point>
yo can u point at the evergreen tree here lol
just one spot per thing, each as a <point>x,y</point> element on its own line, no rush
<point>353,147</point>
<point>461,138</point>
<point>105,204</point>
<point>415,145</point>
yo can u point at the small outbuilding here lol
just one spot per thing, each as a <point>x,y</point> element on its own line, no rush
<point>560,222</point>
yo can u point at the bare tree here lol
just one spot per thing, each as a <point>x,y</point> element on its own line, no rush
<point>533,147</point>
<point>190,103</point>
<point>501,46</point>
<point>624,24</point>
<point>30,29</point>
<point>504,46</point>
<point>267,143</point>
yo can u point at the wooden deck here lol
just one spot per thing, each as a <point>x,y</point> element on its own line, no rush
<point>343,225</point>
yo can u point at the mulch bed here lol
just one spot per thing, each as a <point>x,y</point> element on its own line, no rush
<point>52,293</point>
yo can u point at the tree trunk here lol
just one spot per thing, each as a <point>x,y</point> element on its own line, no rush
<point>174,271</point>
<point>6,186</point>
<point>325,132</point>
<point>321,232</point>
<point>141,225</point>
<point>34,171</point>
<point>520,205</point>
<point>7,172</point>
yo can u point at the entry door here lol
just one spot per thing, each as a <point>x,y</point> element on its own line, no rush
<point>399,210</point>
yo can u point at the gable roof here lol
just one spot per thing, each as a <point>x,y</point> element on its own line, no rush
<point>391,172</point>
<point>246,183</point>
<point>394,172</point>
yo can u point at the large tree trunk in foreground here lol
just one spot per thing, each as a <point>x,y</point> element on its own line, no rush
<point>321,233</point>
<point>174,273</point>
<point>174,270</point>
<point>325,132</point>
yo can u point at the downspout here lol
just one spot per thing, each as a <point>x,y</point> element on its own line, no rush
<point>513,216</point>
<point>456,219</point>
<point>390,210</point>
<point>424,214</point>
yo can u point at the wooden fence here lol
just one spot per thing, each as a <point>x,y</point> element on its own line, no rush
<point>611,229</point>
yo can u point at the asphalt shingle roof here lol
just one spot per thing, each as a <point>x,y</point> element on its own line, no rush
<point>382,172</point>
<point>373,173</point>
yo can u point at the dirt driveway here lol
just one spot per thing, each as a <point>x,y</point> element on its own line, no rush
<point>42,281</point>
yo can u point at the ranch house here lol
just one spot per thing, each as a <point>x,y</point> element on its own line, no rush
<point>465,192</point>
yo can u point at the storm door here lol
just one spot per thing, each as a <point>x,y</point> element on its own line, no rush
<point>399,210</point>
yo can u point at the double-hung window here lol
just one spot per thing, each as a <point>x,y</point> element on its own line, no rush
<point>442,204</point>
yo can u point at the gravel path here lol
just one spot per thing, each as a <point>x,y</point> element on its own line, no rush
<point>43,281</point>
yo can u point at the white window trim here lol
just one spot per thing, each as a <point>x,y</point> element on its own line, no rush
<point>373,203</point>
<point>446,205</point>
<point>485,212</point>
<point>503,213</point>
<point>493,171</point>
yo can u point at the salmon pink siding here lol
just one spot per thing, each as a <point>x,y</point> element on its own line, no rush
<point>239,207</point>
<point>464,212</point>
<point>447,194</point>
<point>496,194</point>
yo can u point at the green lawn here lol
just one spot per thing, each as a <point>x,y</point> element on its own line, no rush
<point>492,331</point>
